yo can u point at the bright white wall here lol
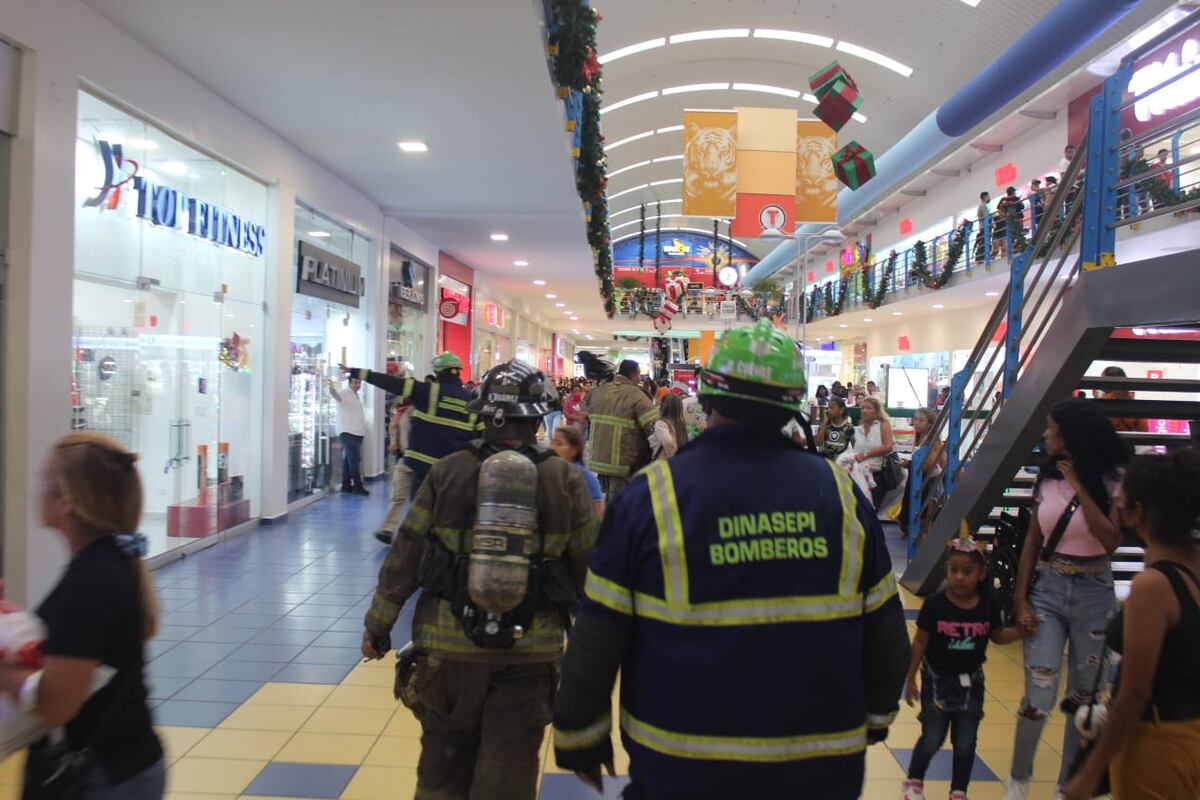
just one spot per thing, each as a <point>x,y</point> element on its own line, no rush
<point>67,45</point>
<point>948,329</point>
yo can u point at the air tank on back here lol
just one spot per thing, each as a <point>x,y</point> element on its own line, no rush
<point>502,543</point>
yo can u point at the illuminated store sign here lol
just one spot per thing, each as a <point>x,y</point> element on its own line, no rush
<point>171,208</point>
<point>328,277</point>
<point>1181,93</point>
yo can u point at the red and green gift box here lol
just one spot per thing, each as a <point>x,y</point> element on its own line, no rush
<point>838,105</point>
<point>823,79</point>
<point>854,165</point>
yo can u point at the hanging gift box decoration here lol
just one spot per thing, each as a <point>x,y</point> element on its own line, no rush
<point>823,79</point>
<point>854,165</point>
<point>837,106</point>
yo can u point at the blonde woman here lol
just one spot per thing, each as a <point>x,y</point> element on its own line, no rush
<point>872,442</point>
<point>101,613</point>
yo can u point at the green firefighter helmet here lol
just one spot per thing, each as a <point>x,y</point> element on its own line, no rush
<point>758,363</point>
<point>445,361</point>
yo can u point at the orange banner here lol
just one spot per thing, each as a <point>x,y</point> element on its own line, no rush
<point>816,185</point>
<point>710,163</point>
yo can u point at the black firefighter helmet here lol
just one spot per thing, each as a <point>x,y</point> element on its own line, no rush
<point>514,389</point>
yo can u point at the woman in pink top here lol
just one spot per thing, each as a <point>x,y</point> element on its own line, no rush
<point>1072,597</point>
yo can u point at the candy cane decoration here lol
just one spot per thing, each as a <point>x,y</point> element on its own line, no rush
<point>674,290</point>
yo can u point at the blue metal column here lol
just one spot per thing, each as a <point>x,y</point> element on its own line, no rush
<point>1012,332</point>
<point>958,388</point>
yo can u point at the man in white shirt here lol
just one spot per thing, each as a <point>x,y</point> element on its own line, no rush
<point>1068,157</point>
<point>353,431</point>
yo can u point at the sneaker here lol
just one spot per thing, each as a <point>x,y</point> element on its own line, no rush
<point>1016,790</point>
<point>384,536</point>
<point>912,790</point>
<point>958,796</point>
<point>362,490</point>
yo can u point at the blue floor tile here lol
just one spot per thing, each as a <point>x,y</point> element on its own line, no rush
<point>325,612</point>
<point>285,636</point>
<point>567,787</point>
<point>256,621</point>
<point>349,639</point>
<point>911,614</point>
<point>158,647</point>
<point>940,768</point>
<point>221,633</point>
<point>244,670</point>
<point>192,714</point>
<point>330,655</point>
<point>176,633</point>
<point>266,652</point>
<point>164,688</point>
<point>281,779</point>
<point>190,618</point>
<point>313,673</point>
<point>224,691</point>
<point>316,624</point>
<point>190,649</point>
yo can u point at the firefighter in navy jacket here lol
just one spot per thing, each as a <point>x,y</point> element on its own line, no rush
<point>441,423</point>
<point>744,591</point>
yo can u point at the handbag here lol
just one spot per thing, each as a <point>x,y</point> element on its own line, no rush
<point>891,474</point>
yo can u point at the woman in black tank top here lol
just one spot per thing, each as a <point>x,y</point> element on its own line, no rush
<point>1152,737</point>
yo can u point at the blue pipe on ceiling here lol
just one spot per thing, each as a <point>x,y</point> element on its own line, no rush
<point>1056,37</point>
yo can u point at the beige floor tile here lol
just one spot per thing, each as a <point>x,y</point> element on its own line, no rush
<point>268,718</point>
<point>327,719</point>
<point>882,765</point>
<point>394,751</point>
<point>403,723</point>
<point>178,741</point>
<point>222,776</point>
<point>362,697</point>
<point>369,675</point>
<point>232,743</point>
<point>291,694</point>
<point>327,748</point>
<point>12,770</point>
<point>375,783</point>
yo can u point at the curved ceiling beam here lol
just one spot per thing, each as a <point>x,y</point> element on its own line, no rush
<point>799,37</point>
<point>690,88</point>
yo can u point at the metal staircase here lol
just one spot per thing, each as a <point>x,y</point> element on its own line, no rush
<point>1066,297</point>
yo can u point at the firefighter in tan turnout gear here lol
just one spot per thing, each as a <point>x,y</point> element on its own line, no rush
<point>622,419</point>
<point>498,536</point>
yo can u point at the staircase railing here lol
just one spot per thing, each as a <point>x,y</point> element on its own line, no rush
<point>1117,188</point>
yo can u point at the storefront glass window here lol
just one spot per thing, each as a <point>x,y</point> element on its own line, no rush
<point>168,321</point>
<point>325,332</point>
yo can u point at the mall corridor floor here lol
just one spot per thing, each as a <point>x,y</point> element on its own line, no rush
<point>260,691</point>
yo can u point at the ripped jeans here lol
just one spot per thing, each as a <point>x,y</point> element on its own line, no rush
<point>1074,610</point>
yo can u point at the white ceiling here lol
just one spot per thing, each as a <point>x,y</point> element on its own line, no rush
<point>471,79</point>
<point>344,82</point>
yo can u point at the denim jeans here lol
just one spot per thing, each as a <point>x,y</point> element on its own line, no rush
<point>552,422</point>
<point>948,707</point>
<point>351,460</point>
<point>150,784</point>
<point>1071,610</point>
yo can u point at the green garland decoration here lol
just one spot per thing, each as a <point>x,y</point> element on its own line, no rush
<point>831,307</point>
<point>814,302</point>
<point>873,295</point>
<point>1161,194</point>
<point>920,272</point>
<point>571,46</point>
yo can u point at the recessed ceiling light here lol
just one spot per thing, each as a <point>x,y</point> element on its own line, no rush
<point>699,36</point>
<point>174,168</point>
<point>568,313</point>
<point>867,319</point>
<point>560,305</point>
<point>991,294</point>
<point>193,175</point>
<point>843,325</point>
<point>897,313</point>
<point>794,36</point>
<point>589,336</point>
<point>320,234</point>
<point>971,3</point>
<point>499,237</point>
<point>640,47</point>
<point>551,296</point>
<point>539,282</point>
<point>575,330</point>
<point>938,305</point>
<point>877,58</point>
<point>413,146</point>
<point>520,263</point>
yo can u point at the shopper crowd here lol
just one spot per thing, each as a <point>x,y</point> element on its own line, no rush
<point>683,540</point>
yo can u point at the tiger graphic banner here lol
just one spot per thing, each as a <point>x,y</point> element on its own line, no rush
<point>816,185</point>
<point>710,163</point>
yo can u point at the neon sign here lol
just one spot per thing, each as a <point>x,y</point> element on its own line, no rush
<point>1182,92</point>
